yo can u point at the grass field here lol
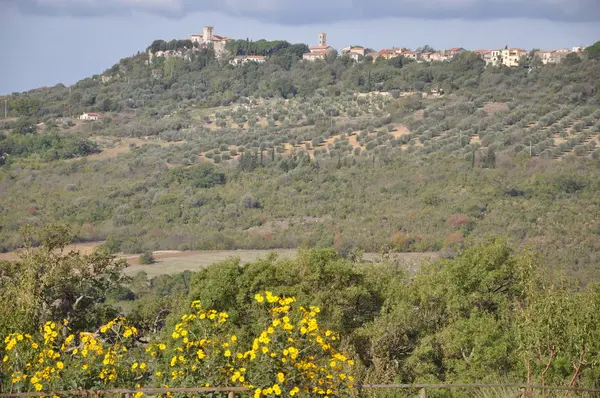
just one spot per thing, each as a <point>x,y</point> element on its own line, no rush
<point>175,262</point>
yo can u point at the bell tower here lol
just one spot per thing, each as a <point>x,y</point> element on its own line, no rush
<point>323,39</point>
<point>207,34</point>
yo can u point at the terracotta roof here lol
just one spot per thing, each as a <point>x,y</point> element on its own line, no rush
<point>482,51</point>
<point>319,47</point>
<point>456,49</point>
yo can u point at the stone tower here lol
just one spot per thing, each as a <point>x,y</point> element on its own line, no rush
<point>207,34</point>
<point>322,39</point>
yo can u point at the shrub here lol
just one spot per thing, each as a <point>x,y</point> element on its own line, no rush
<point>147,258</point>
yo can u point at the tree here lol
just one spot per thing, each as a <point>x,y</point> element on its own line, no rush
<point>48,284</point>
<point>426,49</point>
<point>593,51</point>
<point>396,62</point>
<point>572,59</point>
<point>147,258</point>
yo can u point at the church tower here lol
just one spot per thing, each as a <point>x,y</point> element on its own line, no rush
<point>323,39</point>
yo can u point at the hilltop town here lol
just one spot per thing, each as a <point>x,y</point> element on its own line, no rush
<point>507,56</point>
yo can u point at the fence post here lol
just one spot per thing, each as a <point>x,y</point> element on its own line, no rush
<point>422,393</point>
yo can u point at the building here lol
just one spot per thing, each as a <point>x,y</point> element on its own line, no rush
<point>319,52</point>
<point>578,49</point>
<point>454,51</point>
<point>551,56</point>
<point>387,54</point>
<point>510,57</point>
<point>207,37</point>
<point>485,55</point>
<point>410,55</point>
<point>244,59</point>
<point>438,57</point>
<point>356,53</point>
<point>91,116</point>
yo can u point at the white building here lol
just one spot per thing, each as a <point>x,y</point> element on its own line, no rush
<point>90,116</point>
<point>244,59</point>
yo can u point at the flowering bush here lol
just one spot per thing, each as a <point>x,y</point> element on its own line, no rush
<point>291,355</point>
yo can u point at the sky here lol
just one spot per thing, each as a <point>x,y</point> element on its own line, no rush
<point>46,42</point>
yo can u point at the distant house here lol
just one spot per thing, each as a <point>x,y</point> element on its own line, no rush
<point>244,59</point>
<point>485,55</point>
<point>454,51</point>
<point>356,53</point>
<point>387,54</point>
<point>91,116</point>
<point>438,57</point>
<point>410,54</point>
<point>318,52</point>
<point>551,56</point>
<point>207,37</point>
<point>510,57</point>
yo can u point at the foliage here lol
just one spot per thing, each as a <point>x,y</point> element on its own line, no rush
<point>146,258</point>
<point>196,177</point>
<point>47,283</point>
<point>50,147</point>
<point>593,51</point>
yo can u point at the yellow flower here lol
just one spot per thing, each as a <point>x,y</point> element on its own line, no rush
<point>5,359</point>
<point>60,365</point>
<point>138,394</point>
<point>259,298</point>
<point>233,339</point>
<point>173,361</point>
<point>294,391</point>
<point>143,366</point>
<point>257,393</point>
<point>276,389</point>
<point>280,377</point>
<point>200,354</point>
<point>38,387</point>
<point>162,347</point>
<point>159,374</point>
<point>227,353</point>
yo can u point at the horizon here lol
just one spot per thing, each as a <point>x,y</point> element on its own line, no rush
<point>74,40</point>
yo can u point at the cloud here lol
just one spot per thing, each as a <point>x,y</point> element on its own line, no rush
<point>303,12</point>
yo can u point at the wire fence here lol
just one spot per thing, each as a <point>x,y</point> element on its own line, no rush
<point>524,390</point>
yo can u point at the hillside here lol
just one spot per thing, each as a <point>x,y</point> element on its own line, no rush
<point>201,154</point>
